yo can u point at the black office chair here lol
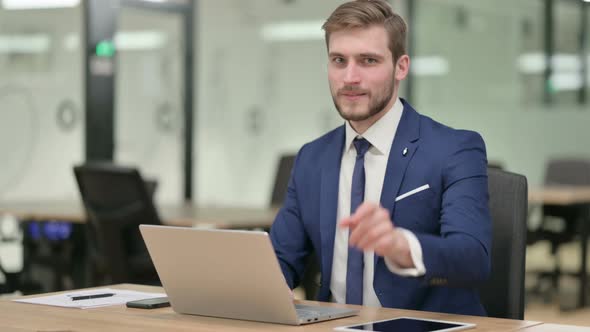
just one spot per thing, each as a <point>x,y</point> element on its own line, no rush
<point>117,200</point>
<point>7,286</point>
<point>559,224</point>
<point>495,164</point>
<point>310,280</point>
<point>503,294</point>
<point>11,279</point>
<point>11,283</point>
<point>279,189</point>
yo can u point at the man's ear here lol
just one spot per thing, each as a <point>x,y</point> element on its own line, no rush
<point>402,67</point>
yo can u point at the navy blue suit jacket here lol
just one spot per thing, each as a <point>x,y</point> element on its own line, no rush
<point>450,219</point>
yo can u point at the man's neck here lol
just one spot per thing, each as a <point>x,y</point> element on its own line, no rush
<point>361,126</point>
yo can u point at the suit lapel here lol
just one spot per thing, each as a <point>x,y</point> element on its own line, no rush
<point>406,137</point>
<point>329,201</point>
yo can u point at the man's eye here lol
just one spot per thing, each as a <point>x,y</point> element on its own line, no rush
<point>370,61</point>
<point>338,60</point>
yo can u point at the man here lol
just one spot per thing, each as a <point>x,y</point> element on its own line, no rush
<point>394,204</point>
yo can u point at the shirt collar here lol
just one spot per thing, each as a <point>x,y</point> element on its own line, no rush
<point>381,133</point>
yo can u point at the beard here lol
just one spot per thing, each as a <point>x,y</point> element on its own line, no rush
<point>377,101</point>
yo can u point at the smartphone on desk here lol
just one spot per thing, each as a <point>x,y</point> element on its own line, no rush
<point>158,302</point>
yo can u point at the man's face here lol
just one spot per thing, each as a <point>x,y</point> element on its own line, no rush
<point>361,72</point>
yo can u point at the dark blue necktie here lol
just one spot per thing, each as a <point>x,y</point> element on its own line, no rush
<point>355,265</point>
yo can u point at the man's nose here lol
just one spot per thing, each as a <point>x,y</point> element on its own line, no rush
<point>351,74</point>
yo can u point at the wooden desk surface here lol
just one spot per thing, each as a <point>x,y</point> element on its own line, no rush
<point>29,317</point>
<point>559,195</point>
<point>172,214</point>
<point>556,328</point>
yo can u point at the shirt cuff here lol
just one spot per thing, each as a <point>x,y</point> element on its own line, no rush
<point>416,254</point>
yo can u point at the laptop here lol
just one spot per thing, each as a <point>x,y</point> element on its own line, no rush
<point>227,273</point>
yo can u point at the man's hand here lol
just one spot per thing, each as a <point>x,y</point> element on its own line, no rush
<point>371,228</point>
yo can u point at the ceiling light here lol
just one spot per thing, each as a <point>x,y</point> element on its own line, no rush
<point>139,40</point>
<point>38,4</point>
<point>534,63</point>
<point>38,43</point>
<point>291,31</point>
<point>430,66</point>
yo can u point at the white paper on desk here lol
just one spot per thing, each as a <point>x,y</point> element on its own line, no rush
<point>65,300</point>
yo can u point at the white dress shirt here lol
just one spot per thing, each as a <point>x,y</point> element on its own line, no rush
<point>380,135</point>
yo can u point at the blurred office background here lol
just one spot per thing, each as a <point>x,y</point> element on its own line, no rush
<point>515,71</point>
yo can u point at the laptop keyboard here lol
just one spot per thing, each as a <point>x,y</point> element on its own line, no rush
<point>304,314</point>
<point>305,311</point>
<point>309,314</point>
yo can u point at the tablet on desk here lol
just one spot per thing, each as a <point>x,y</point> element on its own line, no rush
<point>407,324</point>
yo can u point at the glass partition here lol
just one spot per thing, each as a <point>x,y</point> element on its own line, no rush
<point>42,106</point>
<point>479,65</point>
<point>149,97</point>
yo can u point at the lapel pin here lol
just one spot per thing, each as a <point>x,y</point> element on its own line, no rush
<point>405,152</point>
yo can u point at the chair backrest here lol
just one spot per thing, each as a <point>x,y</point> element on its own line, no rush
<point>503,294</point>
<point>282,179</point>
<point>495,164</point>
<point>10,238</point>
<point>117,201</point>
<point>571,172</point>
<point>568,171</point>
<point>7,286</point>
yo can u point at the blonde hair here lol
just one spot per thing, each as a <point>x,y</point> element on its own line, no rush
<point>367,13</point>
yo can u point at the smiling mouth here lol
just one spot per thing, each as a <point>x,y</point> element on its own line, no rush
<point>352,96</point>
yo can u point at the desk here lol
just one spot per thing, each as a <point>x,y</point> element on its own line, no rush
<point>560,195</point>
<point>183,214</point>
<point>555,328</point>
<point>28,317</point>
<point>570,196</point>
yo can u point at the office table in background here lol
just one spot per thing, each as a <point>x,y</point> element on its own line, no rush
<point>182,214</point>
<point>559,195</point>
<point>570,196</point>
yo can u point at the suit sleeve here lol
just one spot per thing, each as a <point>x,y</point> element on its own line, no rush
<point>460,255</point>
<point>289,238</point>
